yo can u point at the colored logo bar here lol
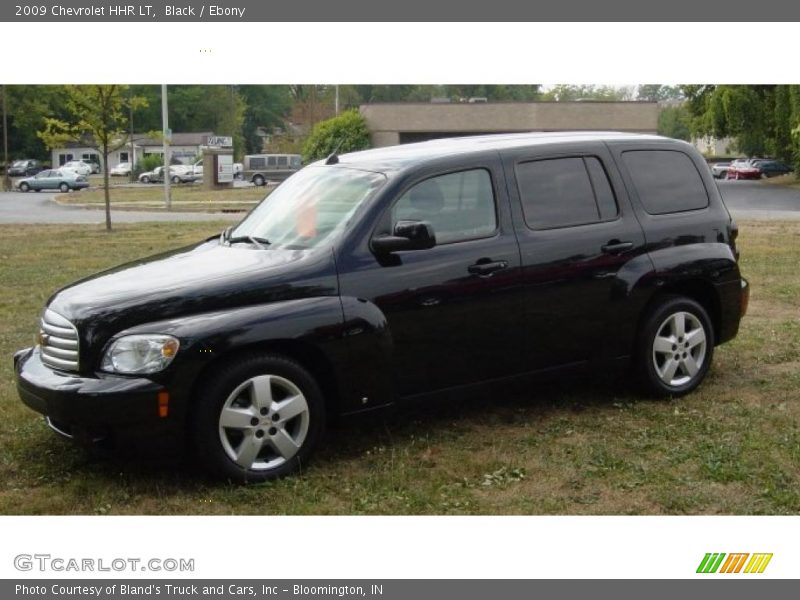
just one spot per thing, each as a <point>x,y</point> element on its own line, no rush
<point>737,562</point>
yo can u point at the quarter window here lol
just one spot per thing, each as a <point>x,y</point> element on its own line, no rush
<point>563,192</point>
<point>459,206</point>
<point>667,181</point>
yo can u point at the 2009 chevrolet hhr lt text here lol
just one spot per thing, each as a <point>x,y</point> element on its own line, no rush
<point>393,273</point>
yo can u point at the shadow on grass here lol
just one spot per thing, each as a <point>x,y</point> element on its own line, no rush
<point>45,459</point>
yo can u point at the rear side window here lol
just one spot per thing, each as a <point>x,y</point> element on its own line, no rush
<point>563,192</point>
<point>667,181</point>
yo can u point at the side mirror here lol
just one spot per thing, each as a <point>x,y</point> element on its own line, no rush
<point>408,235</point>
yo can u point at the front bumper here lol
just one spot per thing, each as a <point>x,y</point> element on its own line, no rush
<point>87,407</point>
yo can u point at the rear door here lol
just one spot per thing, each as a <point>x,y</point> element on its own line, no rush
<point>577,235</point>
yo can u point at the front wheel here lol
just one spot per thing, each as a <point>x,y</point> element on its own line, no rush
<point>176,179</point>
<point>24,187</point>
<point>145,179</point>
<point>64,188</point>
<point>258,419</point>
<point>675,347</point>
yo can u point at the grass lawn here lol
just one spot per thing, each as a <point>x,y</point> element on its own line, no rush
<point>592,447</point>
<point>790,180</point>
<point>184,197</point>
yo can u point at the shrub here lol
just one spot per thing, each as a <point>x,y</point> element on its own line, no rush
<point>346,132</point>
<point>147,163</point>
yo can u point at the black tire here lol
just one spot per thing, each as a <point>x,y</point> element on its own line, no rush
<point>64,187</point>
<point>24,187</point>
<point>692,363</point>
<point>229,388</point>
<point>259,180</point>
<point>145,179</point>
<point>176,179</point>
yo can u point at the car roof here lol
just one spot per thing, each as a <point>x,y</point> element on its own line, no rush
<point>406,155</point>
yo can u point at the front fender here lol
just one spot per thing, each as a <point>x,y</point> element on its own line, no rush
<point>316,322</point>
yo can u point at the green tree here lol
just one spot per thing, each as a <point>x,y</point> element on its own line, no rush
<point>673,121</point>
<point>97,117</point>
<point>760,118</point>
<point>344,133</point>
<point>654,92</point>
<point>217,108</point>
<point>28,105</point>
<point>265,106</point>
<point>566,93</point>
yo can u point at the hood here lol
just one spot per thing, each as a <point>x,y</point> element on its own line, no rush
<point>201,278</point>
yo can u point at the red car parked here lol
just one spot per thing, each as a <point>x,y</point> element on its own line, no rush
<point>743,168</point>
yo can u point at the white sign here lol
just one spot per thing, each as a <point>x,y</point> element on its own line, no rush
<point>224,168</point>
<point>220,141</point>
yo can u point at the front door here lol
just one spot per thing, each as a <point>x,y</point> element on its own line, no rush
<point>453,310</point>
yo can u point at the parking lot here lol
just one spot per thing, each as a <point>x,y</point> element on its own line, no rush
<point>745,199</point>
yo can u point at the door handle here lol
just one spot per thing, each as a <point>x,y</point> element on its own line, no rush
<point>486,267</point>
<point>616,247</point>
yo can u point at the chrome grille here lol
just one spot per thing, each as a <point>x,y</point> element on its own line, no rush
<point>58,340</point>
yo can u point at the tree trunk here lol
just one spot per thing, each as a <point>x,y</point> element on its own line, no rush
<point>105,187</point>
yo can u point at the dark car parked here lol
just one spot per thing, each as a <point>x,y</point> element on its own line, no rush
<point>772,168</point>
<point>396,273</point>
<point>24,168</point>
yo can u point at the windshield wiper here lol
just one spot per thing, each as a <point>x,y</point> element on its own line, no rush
<point>261,242</point>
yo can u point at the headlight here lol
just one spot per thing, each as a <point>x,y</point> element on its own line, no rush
<point>140,354</point>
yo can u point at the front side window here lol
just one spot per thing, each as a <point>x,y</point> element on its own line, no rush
<point>460,206</point>
<point>564,192</point>
<point>666,180</point>
<point>311,207</point>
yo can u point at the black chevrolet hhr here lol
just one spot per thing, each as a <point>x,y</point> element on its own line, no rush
<point>393,273</point>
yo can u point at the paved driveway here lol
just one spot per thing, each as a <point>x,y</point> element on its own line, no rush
<point>755,200</point>
<point>18,208</point>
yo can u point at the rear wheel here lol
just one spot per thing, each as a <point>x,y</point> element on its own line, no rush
<point>176,179</point>
<point>259,180</point>
<point>258,419</point>
<point>64,187</point>
<point>675,347</point>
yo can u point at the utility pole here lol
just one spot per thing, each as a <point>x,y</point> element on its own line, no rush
<point>6,180</point>
<point>131,156</point>
<point>336,103</point>
<point>167,134</point>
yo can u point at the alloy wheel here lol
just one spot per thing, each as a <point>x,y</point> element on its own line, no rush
<point>679,349</point>
<point>264,422</point>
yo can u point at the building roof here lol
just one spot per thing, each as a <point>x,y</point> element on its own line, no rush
<point>398,157</point>
<point>178,139</point>
<point>139,139</point>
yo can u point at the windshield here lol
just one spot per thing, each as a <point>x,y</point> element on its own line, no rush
<point>310,208</point>
<point>19,163</point>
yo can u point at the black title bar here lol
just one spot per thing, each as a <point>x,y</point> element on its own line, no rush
<point>402,10</point>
